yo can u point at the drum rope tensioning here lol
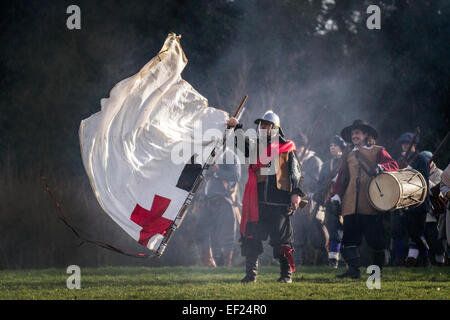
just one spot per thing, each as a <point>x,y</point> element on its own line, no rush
<point>403,188</point>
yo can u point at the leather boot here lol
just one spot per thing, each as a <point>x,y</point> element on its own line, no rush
<point>207,258</point>
<point>399,262</point>
<point>378,258</point>
<point>410,262</point>
<point>251,269</point>
<point>351,256</point>
<point>333,261</point>
<point>426,262</point>
<point>285,271</point>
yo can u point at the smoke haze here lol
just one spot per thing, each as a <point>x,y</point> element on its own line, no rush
<point>294,57</point>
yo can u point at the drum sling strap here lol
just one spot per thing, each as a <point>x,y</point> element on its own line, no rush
<point>360,157</point>
<point>357,188</point>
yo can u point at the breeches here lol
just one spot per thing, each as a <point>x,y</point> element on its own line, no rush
<point>216,225</point>
<point>399,224</point>
<point>358,225</point>
<point>274,223</point>
<point>432,236</point>
<point>333,225</point>
<point>416,229</point>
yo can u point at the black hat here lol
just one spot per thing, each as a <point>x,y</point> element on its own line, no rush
<point>337,140</point>
<point>407,137</point>
<point>346,133</point>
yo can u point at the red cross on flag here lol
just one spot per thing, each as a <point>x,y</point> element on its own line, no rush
<point>127,147</point>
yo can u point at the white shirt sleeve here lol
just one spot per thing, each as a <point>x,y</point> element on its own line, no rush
<point>336,198</point>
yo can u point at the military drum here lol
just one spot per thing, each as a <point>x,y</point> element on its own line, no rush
<point>398,189</point>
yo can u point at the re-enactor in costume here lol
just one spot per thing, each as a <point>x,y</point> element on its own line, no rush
<point>413,217</point>
<point>333,221</point>
<point>216,227</point>
<point>445,191</point>
<point>435,220</point>
<point>272,193</point>
<point>364,161</point>
<point>309,233</point>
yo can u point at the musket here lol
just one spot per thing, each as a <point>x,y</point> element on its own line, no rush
<point>238,113</point>
<point>311,133</point>
<point>238,118</point>
<point>182,212</point>
<point>403,162</point>
<point>435,153</point>
<point>303,203</point>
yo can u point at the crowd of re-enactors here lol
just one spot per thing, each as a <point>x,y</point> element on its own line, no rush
<point>316,212</point>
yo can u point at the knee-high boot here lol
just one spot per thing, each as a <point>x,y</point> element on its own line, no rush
<point>285,270</point>
<point>251,269</point>
<point>378,258</point>
<point>351,256</point>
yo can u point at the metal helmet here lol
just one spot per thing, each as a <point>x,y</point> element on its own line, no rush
<point>273,118</point>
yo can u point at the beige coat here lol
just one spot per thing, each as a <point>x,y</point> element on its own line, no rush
<point>349,199</point>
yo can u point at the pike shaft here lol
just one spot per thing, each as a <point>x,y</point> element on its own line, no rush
<point>180,216</point>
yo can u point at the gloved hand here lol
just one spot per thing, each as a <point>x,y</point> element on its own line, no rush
<point>375,171</point>
<point>232,122</point>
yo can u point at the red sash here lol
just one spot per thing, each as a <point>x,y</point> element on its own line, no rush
<point>250,211</point>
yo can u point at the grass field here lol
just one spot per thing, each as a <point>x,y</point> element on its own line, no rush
<point>221,283</point>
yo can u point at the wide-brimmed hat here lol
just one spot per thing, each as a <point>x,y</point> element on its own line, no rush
<point>346,133</point>
<point>407,137</point>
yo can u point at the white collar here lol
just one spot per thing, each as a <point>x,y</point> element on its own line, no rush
<point>365,147</point>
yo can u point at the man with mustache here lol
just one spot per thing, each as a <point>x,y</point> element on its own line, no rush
<point>351,191</point>
<point>272,194</point>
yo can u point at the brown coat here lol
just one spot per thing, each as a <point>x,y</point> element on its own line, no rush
<point>283,181</point>
<point>349,199</point>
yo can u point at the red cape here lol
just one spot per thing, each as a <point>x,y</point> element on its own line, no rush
<point>250,211</point>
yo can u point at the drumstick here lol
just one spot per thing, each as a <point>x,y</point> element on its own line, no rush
<point>379,190</point>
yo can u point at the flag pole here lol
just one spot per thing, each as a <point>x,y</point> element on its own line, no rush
<point>182,212</point>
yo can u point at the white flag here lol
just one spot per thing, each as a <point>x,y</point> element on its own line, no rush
<point>126,147</point>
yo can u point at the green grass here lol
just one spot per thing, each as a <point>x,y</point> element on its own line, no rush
<point>221,283</point>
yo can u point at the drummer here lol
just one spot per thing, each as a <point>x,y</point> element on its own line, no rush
<point>414,218</point>
<point>351,192</point>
